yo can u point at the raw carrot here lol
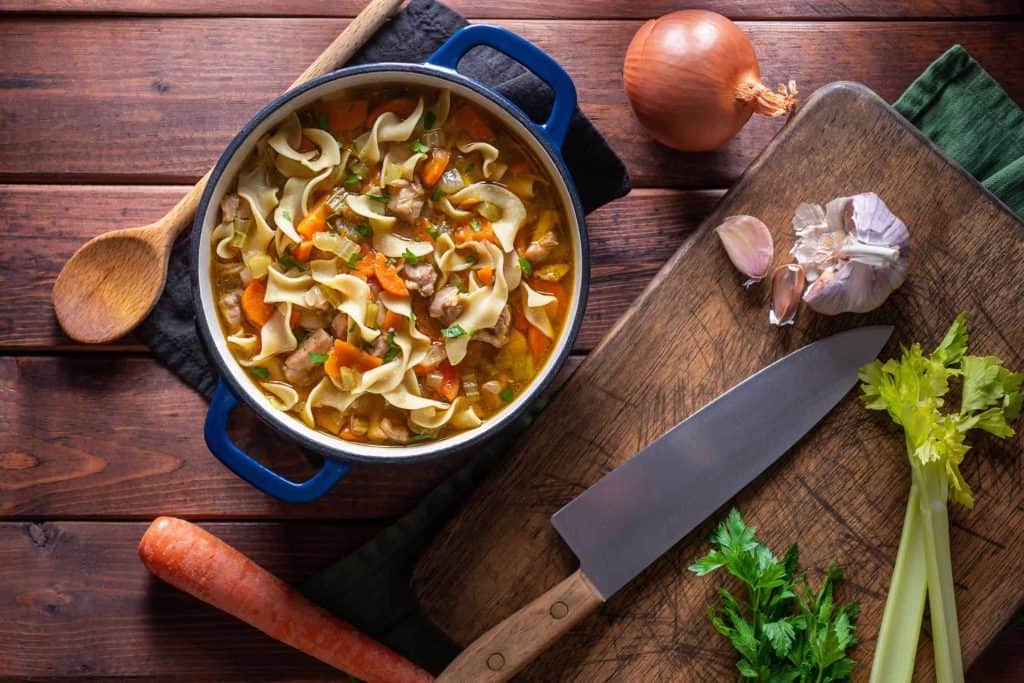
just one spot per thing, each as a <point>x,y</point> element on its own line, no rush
<point>472,121</point>
<point>346,355</point>
<point>538,343</point>
<point>388,278</point>
<point>486,275</point>
<point>450,381</point>
<point>344,115</point>
<point>256,311</point>
<point>399,106</point>
<point>303,250</point>
<point>435,166</point>
<point>197,562</point>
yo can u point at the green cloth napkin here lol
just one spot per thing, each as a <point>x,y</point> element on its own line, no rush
<point>954,102</point>
<point>966,113</point>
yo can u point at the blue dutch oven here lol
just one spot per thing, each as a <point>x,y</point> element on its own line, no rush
<point>440,71</point>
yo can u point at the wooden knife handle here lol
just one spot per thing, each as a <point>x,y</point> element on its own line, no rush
<point>508,647</point>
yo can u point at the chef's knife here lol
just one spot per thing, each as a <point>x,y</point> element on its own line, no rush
<point>633,514</point>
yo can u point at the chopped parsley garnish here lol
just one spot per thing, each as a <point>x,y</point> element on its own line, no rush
<point>262,373</point>
<point>429,120</point>
<point>525,266</point>
<point>417,147</point>
<point>507,394</point>
<point>322,121</point>
<point>392,261</point>
<point>410,258</point>
<point>393,348</point>
<point>353,260</point>
<point>412,316</point>
<point>363,230</point>
<point>461,286</point>
<point>469,258</point>
<point>474,225</point>
<point>287,215</point>
<point>436,195</point>
<point>433,231</point>
<point>352,327</point>
<point>317,358</point>
<point>416,438</point>
<point>453,332</point>
<point>382,198</point>
<point>353,179</point>
<point>287,261</point>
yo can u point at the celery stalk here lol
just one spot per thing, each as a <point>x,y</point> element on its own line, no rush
<point>904,606</point>
<point>949,667</point>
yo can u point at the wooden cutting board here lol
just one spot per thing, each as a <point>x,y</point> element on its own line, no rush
<point>840,492</point>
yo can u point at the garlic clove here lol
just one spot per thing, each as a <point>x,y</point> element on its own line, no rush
<point>749,245</point>
<point>787,289</point>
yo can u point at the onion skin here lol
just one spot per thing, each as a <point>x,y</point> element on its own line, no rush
<point>693,81</point>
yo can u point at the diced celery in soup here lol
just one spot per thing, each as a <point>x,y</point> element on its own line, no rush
<point>392,266</point>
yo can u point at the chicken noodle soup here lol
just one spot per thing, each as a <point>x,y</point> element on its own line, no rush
<point>392,266</point>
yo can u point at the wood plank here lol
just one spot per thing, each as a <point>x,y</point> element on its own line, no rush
<point>156,100</point>
<point>76,602</point>
<point>31,257</point>
<point>840,491</point>
<point>103,437</point>
<point>542,9</point>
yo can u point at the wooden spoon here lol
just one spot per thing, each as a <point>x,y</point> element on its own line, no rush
<point>113,281</point>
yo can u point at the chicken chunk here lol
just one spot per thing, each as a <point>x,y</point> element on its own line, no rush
<point>446,306</point>
<point>380,346</point>
<point>540,250</point>
<point>298,367</point>
<point>231,307</point>
<point>498,335</point>
<point>396,431</point>
<point>421,277</point>
<point>232,207</point>
<point>406,200</point>
<point>339,326</point>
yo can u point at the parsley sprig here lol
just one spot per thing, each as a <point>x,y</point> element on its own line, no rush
<point>783,630</point>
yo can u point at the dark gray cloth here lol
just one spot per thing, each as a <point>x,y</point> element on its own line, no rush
<point>411,36</point>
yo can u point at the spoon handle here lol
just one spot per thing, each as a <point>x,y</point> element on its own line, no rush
<point>334,55</point>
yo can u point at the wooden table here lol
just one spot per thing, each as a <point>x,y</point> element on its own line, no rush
<point>106,114</point>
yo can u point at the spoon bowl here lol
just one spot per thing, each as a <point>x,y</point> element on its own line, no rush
<point>111,283</point>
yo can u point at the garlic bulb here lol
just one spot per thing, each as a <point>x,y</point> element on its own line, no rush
<point>749,245</point>
<point>853,252</point>
<point>787,287</point>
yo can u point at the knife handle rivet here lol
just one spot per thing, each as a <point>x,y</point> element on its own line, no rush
<point>495,661</point>
<point>559,610</point>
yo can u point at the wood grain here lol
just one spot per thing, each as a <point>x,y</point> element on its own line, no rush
<point>77,603</point>
<point>541,9</point>
<point>156,100</point>
<point>40,234</point>
<point>840,492</point>
<point>102,437</point>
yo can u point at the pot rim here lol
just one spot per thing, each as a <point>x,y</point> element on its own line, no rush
<point>335,447</point>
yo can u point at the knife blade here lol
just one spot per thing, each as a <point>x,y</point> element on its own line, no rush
<point>639,510</point>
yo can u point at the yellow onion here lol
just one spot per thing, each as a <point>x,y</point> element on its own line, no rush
<point>692,79</point>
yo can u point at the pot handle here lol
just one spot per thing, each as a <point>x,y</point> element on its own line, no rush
<point>527,54</point>
<point>241,463</point>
